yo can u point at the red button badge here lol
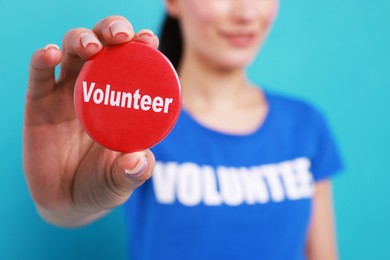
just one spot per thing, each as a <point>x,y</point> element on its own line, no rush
<point>128,97</point>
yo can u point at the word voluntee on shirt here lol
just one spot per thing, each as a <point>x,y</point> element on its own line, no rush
<point>191,184</point>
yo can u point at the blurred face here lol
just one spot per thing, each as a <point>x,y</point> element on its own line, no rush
<point>224,33</point>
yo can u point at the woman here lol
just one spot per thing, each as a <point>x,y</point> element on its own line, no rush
<point>244,173</point>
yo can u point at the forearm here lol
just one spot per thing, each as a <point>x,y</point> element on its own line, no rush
<point>321,243</point>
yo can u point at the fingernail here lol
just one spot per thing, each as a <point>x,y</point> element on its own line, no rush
<point>119,27</point>
<point>51,46</point>
<point>88,39</point>
<point>145,32</point>
<point>138,168</point>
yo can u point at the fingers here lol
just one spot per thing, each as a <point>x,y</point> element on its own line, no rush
<point>81,44</point>
<point>41,78</point>
<point>78,45</point>
<point>147,36</point>
<point>114,30</point>
<point>117,30</point>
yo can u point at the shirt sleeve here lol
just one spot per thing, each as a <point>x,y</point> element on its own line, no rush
<point>326,161</point>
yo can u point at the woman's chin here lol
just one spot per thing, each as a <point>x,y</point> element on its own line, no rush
<point>234,64</point>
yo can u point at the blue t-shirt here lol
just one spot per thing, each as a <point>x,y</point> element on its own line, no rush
<point>221,196</point>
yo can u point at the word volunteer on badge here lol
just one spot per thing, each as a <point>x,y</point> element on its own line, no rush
<point>127,97</point>
<point>124,99</point>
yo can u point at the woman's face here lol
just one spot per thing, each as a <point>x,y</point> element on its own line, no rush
<point>224,33</point>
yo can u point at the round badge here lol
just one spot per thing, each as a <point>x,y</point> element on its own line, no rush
<point>127,97</point>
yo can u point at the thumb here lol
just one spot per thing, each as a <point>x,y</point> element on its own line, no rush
<point>133,169</point>
<point>112,187</point>
<point>130,171</point>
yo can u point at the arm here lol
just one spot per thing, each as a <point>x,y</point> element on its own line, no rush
<point>321,244</point>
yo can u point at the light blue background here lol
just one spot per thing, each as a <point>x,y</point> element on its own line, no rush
<point>335,53</point>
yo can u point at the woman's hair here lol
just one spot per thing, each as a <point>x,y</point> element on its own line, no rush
<point>171,43</point>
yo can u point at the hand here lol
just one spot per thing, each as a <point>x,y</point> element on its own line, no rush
<point>72,179</point>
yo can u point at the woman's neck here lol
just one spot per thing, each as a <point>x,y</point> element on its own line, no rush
<point>220,99</point>
<point>207,85</point>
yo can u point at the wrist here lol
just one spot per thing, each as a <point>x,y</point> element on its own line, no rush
<point>70,218</point>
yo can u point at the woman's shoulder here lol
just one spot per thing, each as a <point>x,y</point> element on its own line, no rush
<point>290,105</point>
